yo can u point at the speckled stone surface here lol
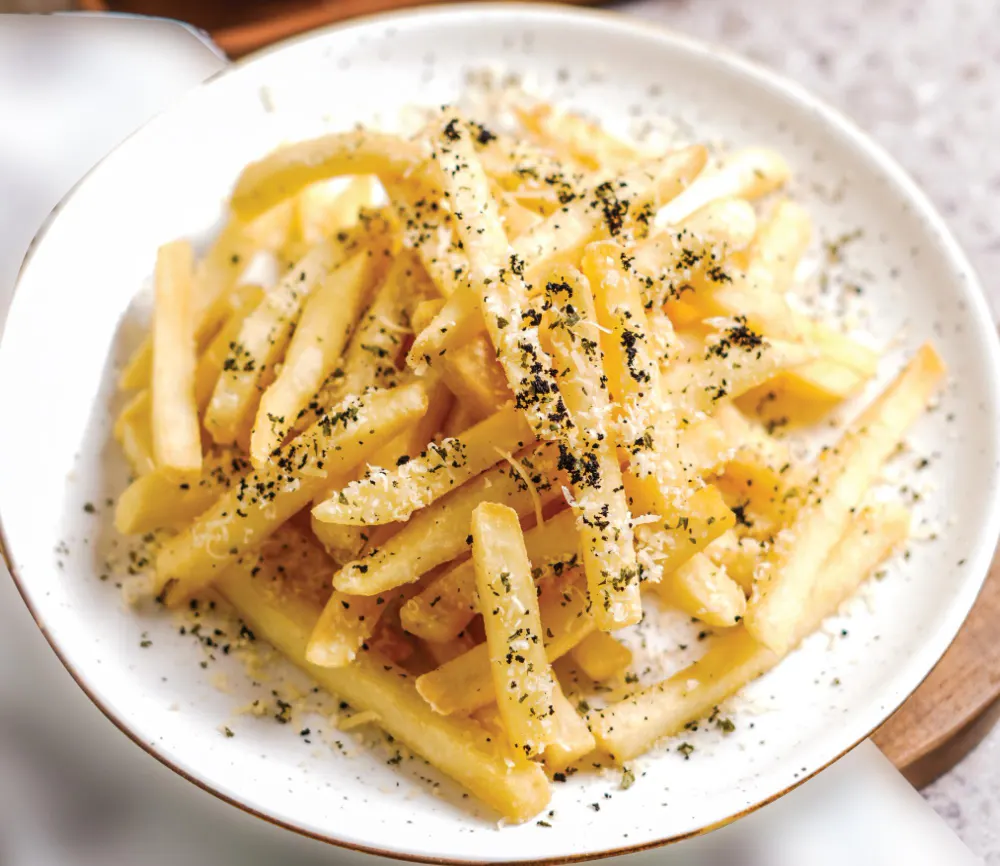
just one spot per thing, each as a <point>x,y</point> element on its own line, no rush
<point>922,77</point>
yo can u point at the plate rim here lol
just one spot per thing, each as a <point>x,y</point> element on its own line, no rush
<point>628,26</point>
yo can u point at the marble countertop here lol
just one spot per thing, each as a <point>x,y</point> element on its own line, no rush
<point>921,76</point>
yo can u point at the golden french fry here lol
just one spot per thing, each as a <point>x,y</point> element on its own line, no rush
<point>738,556</point>
<point>703,590</point>
<point>600,503</point>
<point>464,684</point>
<point>448,604</point>
<point>601,657</point>
<point>322,211</point>
<point>285,172</point>
<point>133,431</point>
<point>214,275</point>
<point>387,495</point>
<point>525,688</point>
<point>630,727</point>
<point>262,340</point>
<point>748,173</point>
<point>439,533</point>
<point>460,748</point>
<point>346,623</point>
<point>582,141</point>
<point>473,375</point>
<point>844,474</point>
<point>559,238</point>
<point>159,500</point>
<point>328,317</point>
<point>264,499</point>
<point>176,432</point>
<point>244,301</point>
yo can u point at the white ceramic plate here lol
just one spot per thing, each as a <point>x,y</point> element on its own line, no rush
<point>73,319</point>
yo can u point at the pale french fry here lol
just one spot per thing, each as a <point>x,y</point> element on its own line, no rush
<point>214,275</point>
<point>328,317</point>
<point>210,365</point>
<point>176,432</point>
<point>844,475</point>
<point>473,375</point>
<point>560,238</point>
<point>158,500</point>
<point>703,590</point>
<point>133,431</point>
<point>630,727</point>
<point>464,684</point>
<point>438,533</point>
<point>600,503</point>
<point>265,498</point>
<point>516,218</point>
<point>386,495</point>
<point>748,173</point>
<point>448,604</point>
<point>525,688</point>
<point>262,340</point>
<point>601,657</point>
<point>285,172</point>
<point>460,748</point>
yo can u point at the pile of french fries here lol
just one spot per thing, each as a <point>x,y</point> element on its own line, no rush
<point>509,389</point>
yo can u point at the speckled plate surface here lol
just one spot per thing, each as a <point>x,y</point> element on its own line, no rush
<point>74,318</point>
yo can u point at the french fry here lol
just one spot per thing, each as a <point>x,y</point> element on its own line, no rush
<point>526,690</point>
<point>702,589</point>
<point>473,375</point>
<point>465,684</point>
<point>460,419</point>
<point>159,500</point>
<point>738,360</point>
<point>386,495</point>
<point>328,317</point>
<point>346,623</point>
<point>630,727</point>
<point>738,556</point>
<point>601,657</point>
<point>438,533</point>
<point>444,651</point>
<point>214,275</point>
<point>560,238</point>
<point>264,499</point>
<point>210,365</point>
<point>133,431</point>
<point>448,604</point>
<point>370,358</point>
<point>749,173</point>
<point>844,474</point>
<point>176,433</point>
<point>262,341</point>
<point>600,503</point>
<point>460,748</point>
<point>287,171</point>
<point>570,737</point>
<point>582,141</point>
<point>321,211</point>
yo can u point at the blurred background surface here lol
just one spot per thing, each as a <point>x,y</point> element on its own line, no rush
<point>921,76</point>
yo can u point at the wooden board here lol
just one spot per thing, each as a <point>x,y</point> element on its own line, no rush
<point>958,703</point>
